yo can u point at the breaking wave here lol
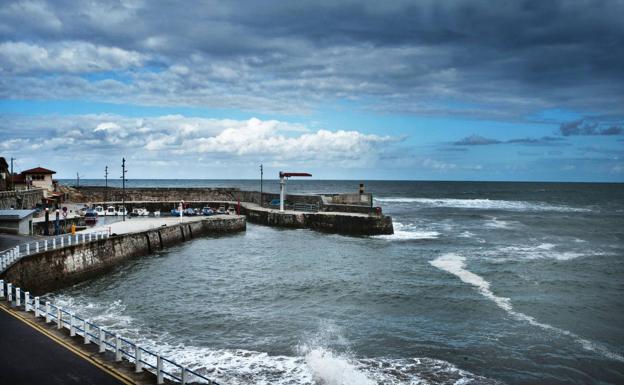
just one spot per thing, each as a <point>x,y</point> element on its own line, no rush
<point>486,204</point>
<point>405,232</point>
<point>314,362</point>
<point>455,264</point>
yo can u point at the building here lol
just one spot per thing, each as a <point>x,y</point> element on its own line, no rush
<point>37,177</point>
<point>5,176</point>
<point>16,221</point>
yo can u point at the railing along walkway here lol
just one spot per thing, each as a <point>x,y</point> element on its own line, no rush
<point>12,255</point>
<point>123,349</point>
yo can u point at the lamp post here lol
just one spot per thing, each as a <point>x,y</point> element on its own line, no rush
<point>123,188</point>
<point>105,183</point>
<point>261,180</point>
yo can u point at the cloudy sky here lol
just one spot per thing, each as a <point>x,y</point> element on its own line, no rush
<point>434,90</point>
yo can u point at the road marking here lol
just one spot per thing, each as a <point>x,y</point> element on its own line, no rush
<point>121,377</point>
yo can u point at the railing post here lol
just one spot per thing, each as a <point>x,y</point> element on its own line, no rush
<point>159,369</point>
<point>2,288</point>
<point>48,311</point>
<point>87,338</point>
<point>89,237</point>
<point>183,375</point>
<point>27,248</point>
<point>83,238</point>
<point>69,240</point>
<point>72,329</point>
<point>37,305</point>
<point>10,293</point>
<point>138,365</point>
<point>18,297</point>
<point>101,341</point>
<point>76,240</point>
<point>54,243</point>
<point>117,348</point>
<point>62,242</point>
<point>59,318</point>
<point>37,246</point>
<point>27,301</point>
<point>17,253</point>
<point>45,245</point>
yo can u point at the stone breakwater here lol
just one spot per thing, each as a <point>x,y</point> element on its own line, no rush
<point>56,268</point>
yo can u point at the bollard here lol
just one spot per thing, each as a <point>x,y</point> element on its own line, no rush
<point>37,305</point>
<point>10,291</point>
<point>54,243</point>
<point>27,248</point>
<point>87,338</point>
<point>37,247</point>
<point>18,297</point>
<point>138,365</point>
<point>59,318</point>
<point>183,375</point>
<point>117,348</point>
<point>2,288</point>
<point>48,312</point>
<point>159,369</point>
<point>72,329</point>
<point>45,245</point>
<point>27,302</point>
<point>101,341</point>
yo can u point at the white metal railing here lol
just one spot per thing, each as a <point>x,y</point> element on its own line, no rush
<point>122,348</point>
<point>10,256</point>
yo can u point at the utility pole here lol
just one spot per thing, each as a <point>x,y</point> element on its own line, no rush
<point>106,183</point>
<point>123,187</point>
<point>261,177</point>
<point>13,184</point>
<point>77,180</point>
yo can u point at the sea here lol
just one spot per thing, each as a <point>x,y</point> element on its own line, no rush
<point>481,283</point>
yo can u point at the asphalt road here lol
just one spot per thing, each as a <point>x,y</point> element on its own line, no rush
<point>28,357</point>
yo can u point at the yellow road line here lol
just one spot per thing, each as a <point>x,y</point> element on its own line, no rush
<point>121,377</point>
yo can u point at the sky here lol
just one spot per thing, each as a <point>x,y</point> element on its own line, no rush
<point>402,90</point>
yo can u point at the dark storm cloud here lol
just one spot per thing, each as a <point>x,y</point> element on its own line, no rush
<point>508,59</point>
<point>587,128</point>
<point>476,140</point>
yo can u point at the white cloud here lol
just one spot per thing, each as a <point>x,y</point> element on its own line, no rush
<point>187,138</point>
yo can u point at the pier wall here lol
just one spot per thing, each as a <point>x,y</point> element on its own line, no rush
<point>57,268</point>
<point>23,199</point>
<point>345,224</point>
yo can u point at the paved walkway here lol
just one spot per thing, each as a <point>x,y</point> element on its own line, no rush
<point>28,356</point>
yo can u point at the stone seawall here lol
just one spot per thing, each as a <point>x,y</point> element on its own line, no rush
<point>339,223</point>
<point>25,199</point>
<point>58,268</point>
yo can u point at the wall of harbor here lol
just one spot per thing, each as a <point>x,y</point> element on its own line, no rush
<point>56,268</point>
<point>338,223</point>
<point>24,199</point>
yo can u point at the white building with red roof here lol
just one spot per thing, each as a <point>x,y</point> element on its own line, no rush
<point>37,177</point>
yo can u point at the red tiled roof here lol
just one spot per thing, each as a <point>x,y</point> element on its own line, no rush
<point>38,170</point>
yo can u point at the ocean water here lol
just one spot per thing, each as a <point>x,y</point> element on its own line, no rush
<point>482,283</point>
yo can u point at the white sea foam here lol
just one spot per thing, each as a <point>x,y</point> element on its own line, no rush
<point>455,264</point>
<point>541,251</point>
<point>495,223</point>
<point>487,204</point>
<point>314,364</point>
<point>405,232</point>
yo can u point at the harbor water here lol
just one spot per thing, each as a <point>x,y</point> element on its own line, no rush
<point>482,283</point>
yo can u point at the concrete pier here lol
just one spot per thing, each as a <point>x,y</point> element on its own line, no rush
<point>60,267</point>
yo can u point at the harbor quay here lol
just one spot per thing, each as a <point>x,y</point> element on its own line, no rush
<point>44,266</point>
<point>346,214</point>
